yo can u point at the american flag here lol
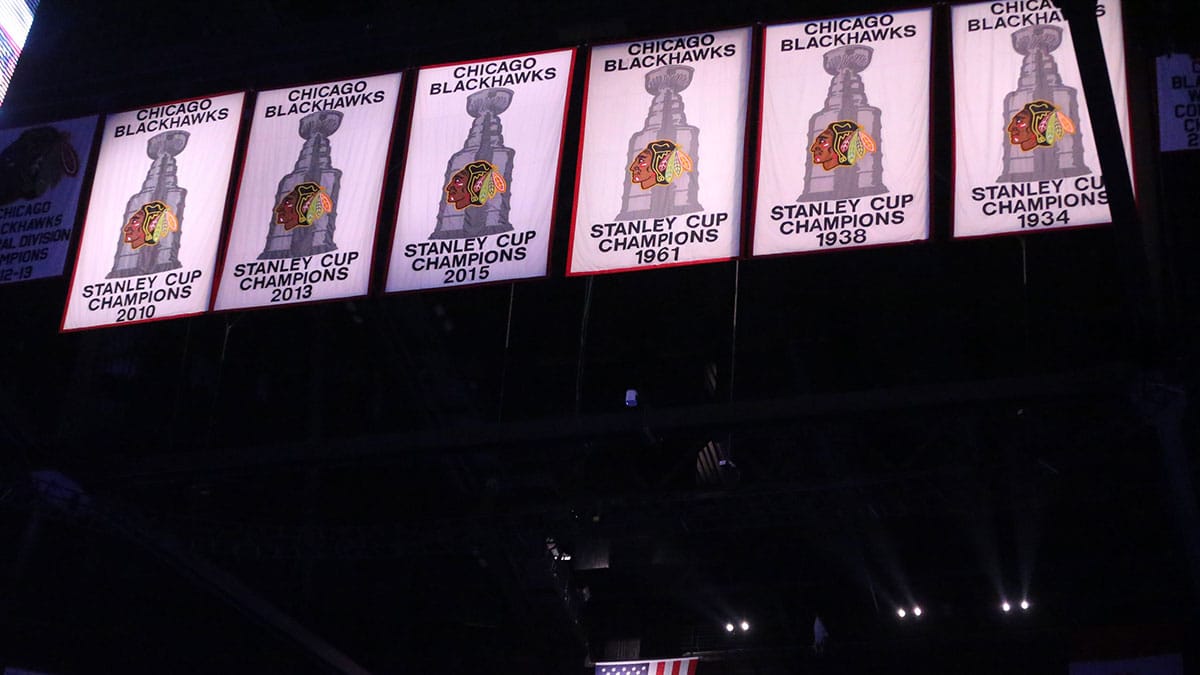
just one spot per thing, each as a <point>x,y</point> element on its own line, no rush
<point>669,667</point>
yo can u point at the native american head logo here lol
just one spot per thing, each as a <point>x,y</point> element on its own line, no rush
<point>842,143</point>
<point>34,163</point>
<point>302,206</point>
<point>474,185</point>
<point>1039,124</point>
<point>149,224</point>
<point>659,163</point>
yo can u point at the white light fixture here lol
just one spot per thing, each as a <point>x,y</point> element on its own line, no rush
<point>1005,607</point>
<point>1025,605</point>
<point>917,610</point>
<point>745,625</point>
<point>901,613</point>
<point>728,628</point>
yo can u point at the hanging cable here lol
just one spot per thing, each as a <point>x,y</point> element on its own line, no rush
<point>512,294</point>
<point>583,330</point>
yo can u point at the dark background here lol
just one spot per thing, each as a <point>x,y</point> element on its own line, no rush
<point>374,482</point>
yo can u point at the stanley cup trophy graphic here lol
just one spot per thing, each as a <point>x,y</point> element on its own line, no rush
<point>149,239</point>
<point>303,220</point>
<point>844,136</point>
<point>1040,114</point>
<point>475,200</point>
<point>667,147</point>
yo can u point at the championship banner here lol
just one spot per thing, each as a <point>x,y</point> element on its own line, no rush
<point>662,153</point>
<point>154,219</point>
<point>308,201</point>
<point>481,172</point>
<point>1025,153</point>
<point>844,150</point>
<point>41,174</point>
<point>1178,102</point>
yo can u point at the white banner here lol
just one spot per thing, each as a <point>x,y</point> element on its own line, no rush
<point>41,174</point>
<point>844,150</point>
<point>1025,153</point>
<point>153,222</point>
<point>662,155</point>
<point>481,172</point>
<point>308,201</point>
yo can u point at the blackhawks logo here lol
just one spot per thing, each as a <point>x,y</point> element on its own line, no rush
<point>34,163</point>
<point>1039,124</point>
<point>149,224</point>
<point>659,163</point>
<point>474,185</point>
<point>302,206</point>
<point>842,143</point>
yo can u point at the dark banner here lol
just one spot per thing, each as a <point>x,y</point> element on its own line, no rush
<point>41,175</point>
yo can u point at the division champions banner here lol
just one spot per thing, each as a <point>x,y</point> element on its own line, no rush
<point>844,151</point>
<point>308,200</point>
<point>1178,102</point>
<point>662,153</point>
<point>154,219</point>
<point>41,173</point>
<point>481,172</point>
<point>1025,154</point>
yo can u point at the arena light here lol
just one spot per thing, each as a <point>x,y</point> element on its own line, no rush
<point>745,625</point>
<point>917,610</point>
<point>901,612</point>
<point>1025,605</point>
<point>728,628</point>
<point>1005,607</point>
